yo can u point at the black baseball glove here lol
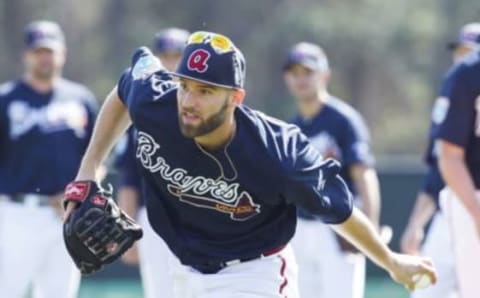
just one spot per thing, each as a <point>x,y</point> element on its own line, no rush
<point>97,232</point>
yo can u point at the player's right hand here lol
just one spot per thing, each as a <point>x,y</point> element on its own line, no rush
<point>403,269</point>
<point>411,240</point>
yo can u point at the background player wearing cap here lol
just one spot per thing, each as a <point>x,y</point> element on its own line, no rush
<point>438,244</point>
<point>222,181</point>
<point>152,252</point>
<point>458,135</point>
<point>338,131</point>
<point>45,125</point>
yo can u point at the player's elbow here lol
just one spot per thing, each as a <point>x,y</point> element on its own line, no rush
<point>339,199</point>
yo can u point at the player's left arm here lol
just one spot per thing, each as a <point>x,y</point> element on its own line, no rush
<point>402,268</point>
<point>316,187</point>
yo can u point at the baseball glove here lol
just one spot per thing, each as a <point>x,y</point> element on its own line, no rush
<point>97,232</point>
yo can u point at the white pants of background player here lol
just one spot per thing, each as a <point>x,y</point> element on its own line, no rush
<point>324,270</point>
<point>33,254</point>
<point>466,244</point>
<point>439,247</point>
<point>274,276</point>
<point>154,257</point>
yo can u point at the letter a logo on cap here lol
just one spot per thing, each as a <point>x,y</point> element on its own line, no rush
<point>198,61</point>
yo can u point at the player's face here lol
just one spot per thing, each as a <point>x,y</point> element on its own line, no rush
<point>170,59</point>
<point>461,51</point>
<point>44,63</point>
<point>304,83</point>
<point>201,107</point>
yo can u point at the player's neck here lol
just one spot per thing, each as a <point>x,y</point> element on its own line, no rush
<point>311,107</point>
<point>220,137</point>
<point>40,85</point>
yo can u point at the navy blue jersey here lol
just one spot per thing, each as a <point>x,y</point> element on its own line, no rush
<point>460,123</point>
<point>338,131</point>
<point>125,163</point>
<point>433,183</point>
<point>232,203</point>
<point>43,135</point>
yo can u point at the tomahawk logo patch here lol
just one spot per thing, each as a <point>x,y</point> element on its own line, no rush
<point>198,191</point>
<point>198,61</point>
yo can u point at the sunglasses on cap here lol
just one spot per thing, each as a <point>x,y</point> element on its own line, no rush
<point>220,43</point>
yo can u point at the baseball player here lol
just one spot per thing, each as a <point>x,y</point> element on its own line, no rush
<point>438,244</point>
<point>153,258</point>
<point>338,131</point>
<point>222,181</point>
<point>458,138</point>
<point>45,125</point>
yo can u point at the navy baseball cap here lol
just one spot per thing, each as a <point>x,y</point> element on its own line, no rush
<point>306,54</point>
<point>469,35</point>
<point>213,59</point>
<point>170,40</point>
<point>44,34</point>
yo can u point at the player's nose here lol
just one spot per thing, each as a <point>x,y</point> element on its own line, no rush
<point>187,100</point>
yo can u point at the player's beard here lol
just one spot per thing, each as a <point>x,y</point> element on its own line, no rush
<point>206,126</point>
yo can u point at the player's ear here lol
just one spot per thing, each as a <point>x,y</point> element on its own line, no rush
<point>238,96</point>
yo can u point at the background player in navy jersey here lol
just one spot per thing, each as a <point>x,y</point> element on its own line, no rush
<point>438,243</point>
<point>151,252</point>
<point>222,181</point>
<point>45,124</point>
<point>458,137</point>
<point>338,131</point>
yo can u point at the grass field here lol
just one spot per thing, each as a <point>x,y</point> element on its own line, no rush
<point>128,288</point>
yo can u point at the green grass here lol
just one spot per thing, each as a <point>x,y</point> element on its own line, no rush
<point>131,288</point>
<point>384,288</point>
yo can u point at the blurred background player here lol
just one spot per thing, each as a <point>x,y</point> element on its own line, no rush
<point>45,124</point>
<point>337,131</point>
<point>151,252</point>
<point>438,244</point>
<point>458,137</point>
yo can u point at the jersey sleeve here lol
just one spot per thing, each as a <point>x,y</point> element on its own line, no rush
<point>123,85</point>
<point>144,64</point>
<point>458,122</point>
<point>355,145</point>
<point>313,184</point>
